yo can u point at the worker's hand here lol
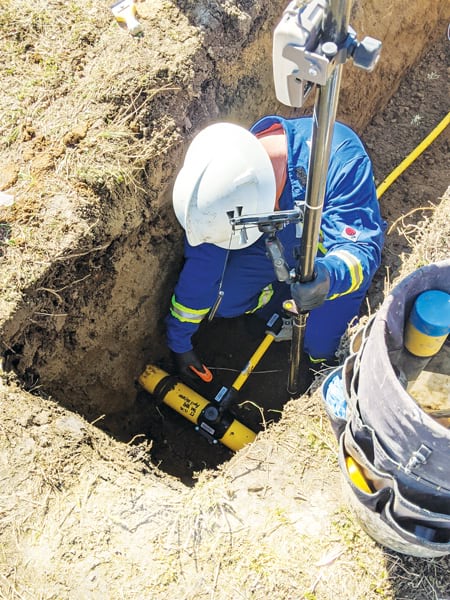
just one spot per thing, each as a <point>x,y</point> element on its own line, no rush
<point>313,293</point>
<point>190,368</point>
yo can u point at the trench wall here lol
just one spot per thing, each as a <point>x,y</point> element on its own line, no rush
<point>87,320</point>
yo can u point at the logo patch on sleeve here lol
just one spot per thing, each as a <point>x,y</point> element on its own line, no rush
<point>350,233</point>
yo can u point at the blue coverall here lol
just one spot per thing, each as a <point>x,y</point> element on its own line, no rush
<point>350,245</point>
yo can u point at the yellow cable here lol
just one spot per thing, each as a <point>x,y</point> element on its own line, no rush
<point>412,156</point>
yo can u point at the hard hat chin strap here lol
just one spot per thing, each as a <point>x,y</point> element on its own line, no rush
<point>220,293</point>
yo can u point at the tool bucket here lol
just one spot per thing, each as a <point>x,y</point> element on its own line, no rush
<point>401,452</point>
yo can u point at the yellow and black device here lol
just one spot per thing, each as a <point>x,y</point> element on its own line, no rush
<point>195,408</point>
<point>212,418</point>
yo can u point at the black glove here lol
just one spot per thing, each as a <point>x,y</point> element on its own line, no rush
<point>312,294</point>
<point>190,368</point>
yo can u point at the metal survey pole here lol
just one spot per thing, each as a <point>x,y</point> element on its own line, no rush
<point>335,30</point>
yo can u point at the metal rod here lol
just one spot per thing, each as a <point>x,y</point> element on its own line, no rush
<point>336,22</point>
<point>298,334</point>
<point>335,29</point>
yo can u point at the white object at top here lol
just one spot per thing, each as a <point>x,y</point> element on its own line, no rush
<point>296,64</point>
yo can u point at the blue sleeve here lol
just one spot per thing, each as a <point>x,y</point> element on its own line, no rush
<point>194,294</point>
<point>352,227</point>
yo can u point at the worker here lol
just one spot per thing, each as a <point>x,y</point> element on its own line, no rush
<point>230,171</point>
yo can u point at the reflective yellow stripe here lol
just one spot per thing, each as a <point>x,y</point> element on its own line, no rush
<point>354,268</point>
<point>320,246</point>
<point>316,360</point>
<point>186,314</point>
<point>264,297</point>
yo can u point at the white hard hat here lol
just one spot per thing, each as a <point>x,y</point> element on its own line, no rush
<point>226,172</point>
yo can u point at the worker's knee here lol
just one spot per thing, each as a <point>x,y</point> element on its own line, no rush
<point>320,351</point>
<point>327,324</point>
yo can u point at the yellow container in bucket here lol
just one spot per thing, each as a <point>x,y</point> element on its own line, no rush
<point>428,324</point>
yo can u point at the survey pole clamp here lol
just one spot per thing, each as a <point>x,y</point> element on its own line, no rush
<point>270,224</point>
<point>302,58</point>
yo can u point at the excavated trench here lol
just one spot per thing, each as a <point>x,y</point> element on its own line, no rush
<point>94,317</point>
